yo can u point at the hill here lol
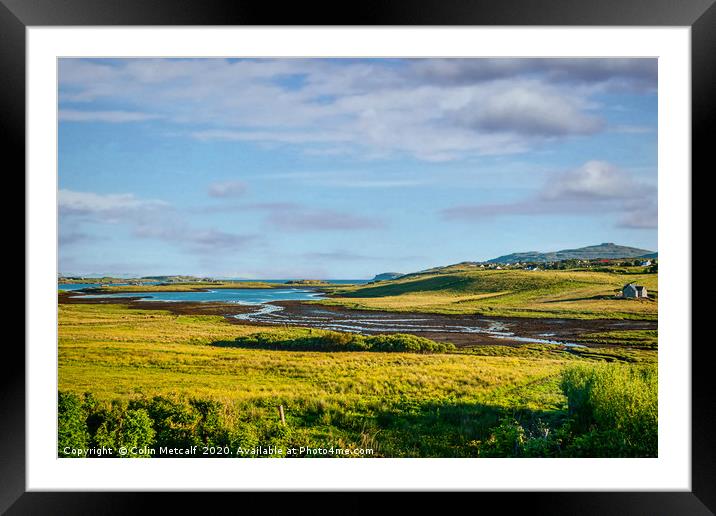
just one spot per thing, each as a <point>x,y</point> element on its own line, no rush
<point>173,278</point>
<point>592,252</point>
<point>466,288</point>
<point>387,276</point>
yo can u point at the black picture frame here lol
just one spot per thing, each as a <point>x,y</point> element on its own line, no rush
<point>700,15</point>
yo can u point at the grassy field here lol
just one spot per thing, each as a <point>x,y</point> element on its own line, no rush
<point>646,339</point>
<point>507,293</point>
<point>160,374</point>
<point>102,348</point>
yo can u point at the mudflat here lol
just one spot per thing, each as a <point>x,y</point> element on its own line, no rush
<point>462,330</point>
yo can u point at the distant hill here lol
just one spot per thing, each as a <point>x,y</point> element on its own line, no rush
<point>97,275</point>
<point>650,256</point>
<point>387,276</point>
<point>605,251</point>
<point>307,282</point>
<point>469,288</point>
<point>174,278</point>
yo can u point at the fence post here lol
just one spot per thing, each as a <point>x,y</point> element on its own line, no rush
<point>280,413</point>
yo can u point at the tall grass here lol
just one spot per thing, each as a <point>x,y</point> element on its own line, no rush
<point>612,411</point>
<point>614,408</point>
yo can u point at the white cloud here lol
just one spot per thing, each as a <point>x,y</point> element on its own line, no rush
<point>270,136</point>
<point>199,240</point>
<point>227,189</point>
<point>596,187</point>
<point>146,218</point>
<point>618,73</point>
<point>532,111</point>
<point>643,216</point>
<point>108,207</point>
<point>595,180</point>
<point>114,117</point>
<point>371,109</point>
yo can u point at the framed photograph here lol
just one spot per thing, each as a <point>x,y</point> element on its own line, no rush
<point>451,243</point>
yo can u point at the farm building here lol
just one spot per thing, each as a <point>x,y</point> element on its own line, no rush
<point>634,290</point>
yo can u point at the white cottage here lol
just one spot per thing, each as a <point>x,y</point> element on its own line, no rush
<point>634,290</point>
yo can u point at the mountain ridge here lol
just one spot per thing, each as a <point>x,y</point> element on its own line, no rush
<point>606,250</point>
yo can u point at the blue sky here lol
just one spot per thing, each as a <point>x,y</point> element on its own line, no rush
<point>345,168</point>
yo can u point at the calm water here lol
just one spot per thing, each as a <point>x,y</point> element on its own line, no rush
<point>249,296</point>
<point>76,286</point>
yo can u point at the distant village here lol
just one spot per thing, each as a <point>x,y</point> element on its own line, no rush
<point>606,265</point>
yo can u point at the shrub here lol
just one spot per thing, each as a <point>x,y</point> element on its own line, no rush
<point>340,341</point>
<point>136,430</point>
<point>512,438</point>
<point>71,424</point>
<point>118,426</point>
<point>407,342</point>
<point>148,423</point>
<point>212,428</point>
<point>175,423</point>
<point>506,440</point>
<point>613,409</point>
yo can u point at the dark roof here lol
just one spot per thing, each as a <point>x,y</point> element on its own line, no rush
<point>637,287</point>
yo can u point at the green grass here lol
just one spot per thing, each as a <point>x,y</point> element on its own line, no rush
<point>506,293</point>
<point>647,339</point>
<point>540,351</point>
<point>114,351</point>
<point>613,409</point>
<point>163,378</point>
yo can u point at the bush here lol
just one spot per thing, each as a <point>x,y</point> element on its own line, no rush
<point>340,341</point>
<point>175,423</point>
<point>120,427</point>
<point>613,409</point>
<point>407,342</point>
<point>512,438</point>
<point>152,423</point>
<point>612,412</point>
<point>71,425</point>
<point>507,440</point>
